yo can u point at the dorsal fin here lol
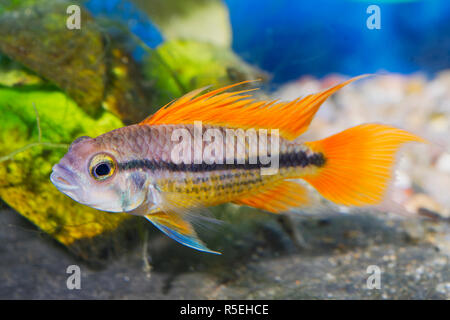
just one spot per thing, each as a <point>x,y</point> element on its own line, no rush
<point>239,110</point>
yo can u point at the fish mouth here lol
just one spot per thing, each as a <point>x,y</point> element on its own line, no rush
<point>61,177</point>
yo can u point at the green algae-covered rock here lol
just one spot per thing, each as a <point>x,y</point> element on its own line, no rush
<point>128,95</point>
<point>24,176</point>
<point>14,74</point>
<point>36,35</point>
<point>180,66</point>
<point>90,66</point>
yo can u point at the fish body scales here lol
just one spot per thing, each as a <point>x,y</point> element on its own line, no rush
<point>210,182</point>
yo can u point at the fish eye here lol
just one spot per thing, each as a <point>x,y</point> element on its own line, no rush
<point>102,167</point>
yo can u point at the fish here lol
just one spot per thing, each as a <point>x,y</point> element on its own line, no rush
<point>190,155</point>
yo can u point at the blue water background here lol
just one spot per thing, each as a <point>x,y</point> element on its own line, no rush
<point>291,38</point>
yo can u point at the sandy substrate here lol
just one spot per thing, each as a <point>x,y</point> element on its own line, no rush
<point>263,265</point>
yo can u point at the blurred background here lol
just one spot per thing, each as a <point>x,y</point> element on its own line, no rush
<point>70,71</point>
<point>293,38</point>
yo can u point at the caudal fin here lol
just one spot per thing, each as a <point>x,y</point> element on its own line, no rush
<point>358,163</point>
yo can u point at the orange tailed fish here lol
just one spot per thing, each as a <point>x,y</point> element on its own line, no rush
<point>133,169</point>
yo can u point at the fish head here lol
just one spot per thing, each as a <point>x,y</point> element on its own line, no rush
<point>89,173</point>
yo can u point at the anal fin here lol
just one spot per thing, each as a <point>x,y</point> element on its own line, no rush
<point>281,197</point>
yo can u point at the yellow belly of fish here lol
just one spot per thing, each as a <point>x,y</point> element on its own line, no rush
<point>207,189</point>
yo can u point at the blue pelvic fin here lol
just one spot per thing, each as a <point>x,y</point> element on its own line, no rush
<point>178,229</point>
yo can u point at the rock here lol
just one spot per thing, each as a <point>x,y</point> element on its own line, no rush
<point>422,201</point>
<point>179,66</point>
<point>69,59</point>
<point>335,269</point>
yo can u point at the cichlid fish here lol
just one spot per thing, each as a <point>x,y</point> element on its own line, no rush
<point>184,157</point>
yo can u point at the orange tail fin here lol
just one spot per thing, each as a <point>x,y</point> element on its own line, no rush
<point>358,163</point>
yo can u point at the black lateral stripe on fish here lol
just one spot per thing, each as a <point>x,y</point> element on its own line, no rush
<point>292,159</point>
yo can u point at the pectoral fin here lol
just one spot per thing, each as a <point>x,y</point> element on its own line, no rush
<point>178,229</point>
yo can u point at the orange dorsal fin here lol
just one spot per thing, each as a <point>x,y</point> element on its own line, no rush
<point>359,162</point>
<point>240,110</point>
<point>281,197</point>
